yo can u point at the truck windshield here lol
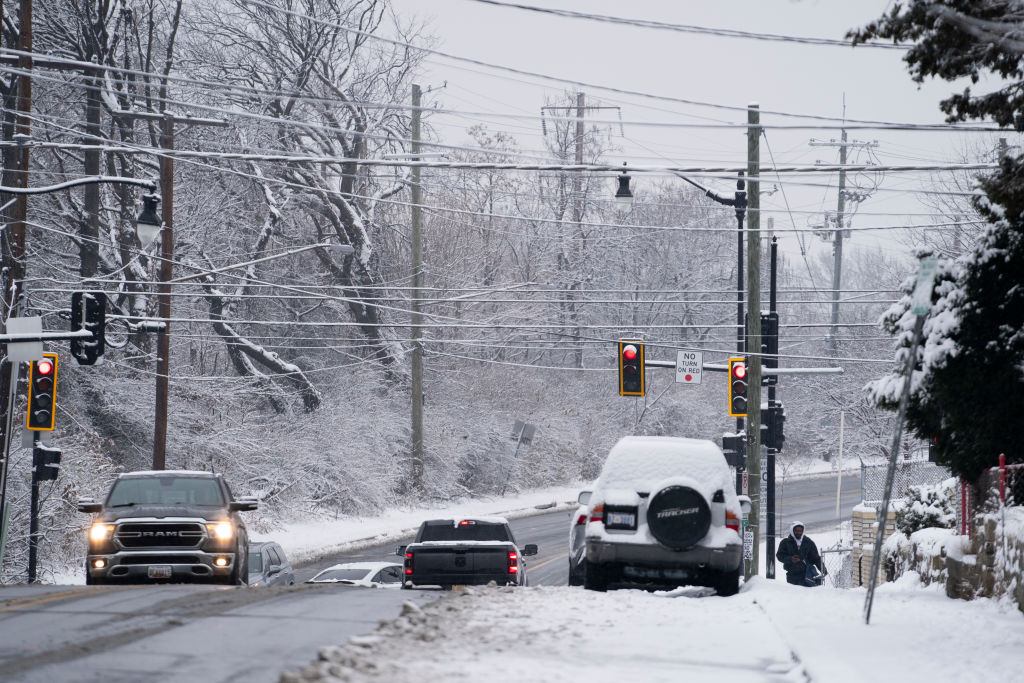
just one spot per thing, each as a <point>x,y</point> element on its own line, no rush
<point>166,490</point>
<point>473,531</point>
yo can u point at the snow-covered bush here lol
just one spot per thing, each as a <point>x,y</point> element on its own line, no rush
<point>928,506</point>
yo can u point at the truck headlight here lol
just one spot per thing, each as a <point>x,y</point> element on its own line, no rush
<point>221,530</point>
<point>101,532</point>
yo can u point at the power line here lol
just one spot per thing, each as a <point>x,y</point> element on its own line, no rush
<point>687,28</point>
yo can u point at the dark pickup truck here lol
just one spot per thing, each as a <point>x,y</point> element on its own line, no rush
<point>475,551</point>
<point>168,525</point>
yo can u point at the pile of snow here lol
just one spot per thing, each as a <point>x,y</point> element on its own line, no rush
<point>770,631</point>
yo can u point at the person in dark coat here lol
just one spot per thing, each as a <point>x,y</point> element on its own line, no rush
<point>798,554</point>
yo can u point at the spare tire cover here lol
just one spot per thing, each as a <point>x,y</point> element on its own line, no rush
<point>678,516</point>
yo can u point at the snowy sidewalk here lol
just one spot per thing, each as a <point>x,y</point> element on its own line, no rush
<point>769,632</point>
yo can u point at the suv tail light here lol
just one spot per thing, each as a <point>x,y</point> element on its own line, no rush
<point>732,521</point>
<point>408,563</point>
<point>597,513</point>
<point>582,519</point>
<point>513,563</point>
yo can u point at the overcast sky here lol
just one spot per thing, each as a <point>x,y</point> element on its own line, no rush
<point>786,77</point>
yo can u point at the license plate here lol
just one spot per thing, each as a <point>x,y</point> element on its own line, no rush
<point>159,571</point>
<point>625,520</point>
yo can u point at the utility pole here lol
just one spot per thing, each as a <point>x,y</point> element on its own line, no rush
<point>417,293</point>
<point>90,230</point>
<point>16,175</point>
<point>166,271</point>
<point>839,234</point>
<point>754,329</point>
<point>769,554</point>
<point>577,218</point>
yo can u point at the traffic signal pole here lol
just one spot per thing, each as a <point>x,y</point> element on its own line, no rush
<point>754,331</point>
<point>33,524</point>
<point>769,559</point>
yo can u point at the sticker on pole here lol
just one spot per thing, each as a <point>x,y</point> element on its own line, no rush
<point>689,365</point>
<point>748,545</point>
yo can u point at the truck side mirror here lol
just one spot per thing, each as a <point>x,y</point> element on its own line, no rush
<point>243,505</point>
<point>401,550</point>
<point>529,549</point>
<point>583,498</point>
<point>89,505</point>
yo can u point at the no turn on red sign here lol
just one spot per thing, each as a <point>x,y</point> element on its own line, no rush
<point>689,366</point>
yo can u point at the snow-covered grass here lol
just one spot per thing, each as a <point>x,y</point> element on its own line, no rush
<point>770,631</point>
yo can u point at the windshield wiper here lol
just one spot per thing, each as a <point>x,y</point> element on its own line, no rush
<point>122,505</point>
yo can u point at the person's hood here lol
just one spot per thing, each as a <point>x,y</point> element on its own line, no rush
<point>793,526</point>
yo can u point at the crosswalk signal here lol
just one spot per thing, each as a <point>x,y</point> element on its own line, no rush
<point>89,312</point>
<point>42,394</point>
<point>738,387</point>
<point>631,368</point>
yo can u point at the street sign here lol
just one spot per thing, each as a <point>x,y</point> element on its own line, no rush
<point>764,470</point>
<point>745,485</point>
<point>689,365</point>
<point>921,299</point>
<point>24,351</point>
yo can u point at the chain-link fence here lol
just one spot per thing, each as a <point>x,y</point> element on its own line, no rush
<point>838,564</point>
<point>908,473</point>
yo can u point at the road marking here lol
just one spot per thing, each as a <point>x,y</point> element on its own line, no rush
<point>21,603</point>
<point>531,567</point>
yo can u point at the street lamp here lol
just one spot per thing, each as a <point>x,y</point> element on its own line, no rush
<point>148,224</point>
<point>624,196</point>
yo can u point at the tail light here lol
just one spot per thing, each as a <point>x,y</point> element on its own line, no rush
<point>732,521</point>
<point>597,513</point>
<point>408,564</point>
<point>513,563</point>
<point>582,519</point>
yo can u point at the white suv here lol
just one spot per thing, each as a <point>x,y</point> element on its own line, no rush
<point>664,511</point>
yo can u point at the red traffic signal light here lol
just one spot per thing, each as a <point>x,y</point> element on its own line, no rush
<point>738,387</point>
<point>631,368</point>
<point>42,394</point>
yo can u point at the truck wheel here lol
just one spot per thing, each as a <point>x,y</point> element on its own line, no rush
<point>90,581</point>
<point>406,586</point>
<point>595,577</point>
<point>728,583</point>
<point>574,578</point>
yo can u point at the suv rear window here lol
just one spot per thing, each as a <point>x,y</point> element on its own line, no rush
<point>473,531</point>
<point>199,491</point>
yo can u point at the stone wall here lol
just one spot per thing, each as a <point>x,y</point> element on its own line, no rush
<point>864,529</point>
<point>990,563</point>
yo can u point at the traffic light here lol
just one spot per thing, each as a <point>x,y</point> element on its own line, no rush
<point>631,368</point>
<point>88,312</point>
<point>734,448</point>
<point>738,387</point>
<point>42,393</point>
<point>47,462</point>
<point>774,417</point>
<point>770,346</point>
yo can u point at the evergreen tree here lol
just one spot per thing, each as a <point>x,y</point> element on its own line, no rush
<point>968,386</point>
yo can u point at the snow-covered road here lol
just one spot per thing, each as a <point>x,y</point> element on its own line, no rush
<point>769,632</point>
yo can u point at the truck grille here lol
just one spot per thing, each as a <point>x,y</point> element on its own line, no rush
<point>160,559</point>
<point>149,535</point>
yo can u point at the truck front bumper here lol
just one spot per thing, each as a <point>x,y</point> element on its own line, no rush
<point>166,565</point>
